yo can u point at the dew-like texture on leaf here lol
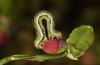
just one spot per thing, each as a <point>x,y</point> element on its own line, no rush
<point>81,38</point>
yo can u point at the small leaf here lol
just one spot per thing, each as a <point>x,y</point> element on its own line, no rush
<point>81,38</point>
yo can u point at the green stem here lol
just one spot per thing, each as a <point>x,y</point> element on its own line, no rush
<point>12,58</point>
<point>30,58</point>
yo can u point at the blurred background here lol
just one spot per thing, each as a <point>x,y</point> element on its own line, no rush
<point>17,32</point>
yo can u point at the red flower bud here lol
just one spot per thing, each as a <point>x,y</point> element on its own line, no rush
<point>52,46</point>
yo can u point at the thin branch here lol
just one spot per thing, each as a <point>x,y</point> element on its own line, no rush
<point>30,58</point>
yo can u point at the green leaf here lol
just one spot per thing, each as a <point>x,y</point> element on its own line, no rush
<point>81,38</point>
<point>75,52</point>
<point>30,58</point>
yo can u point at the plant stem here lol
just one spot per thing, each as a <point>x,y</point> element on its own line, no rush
<point>12,58</point>
<point>30,58</point>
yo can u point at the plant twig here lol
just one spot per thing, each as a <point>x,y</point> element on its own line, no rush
<point>30,58</point>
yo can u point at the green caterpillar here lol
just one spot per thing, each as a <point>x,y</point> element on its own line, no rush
<point>40,29</point>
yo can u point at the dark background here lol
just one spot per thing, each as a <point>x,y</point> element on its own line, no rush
<point>17,32</point>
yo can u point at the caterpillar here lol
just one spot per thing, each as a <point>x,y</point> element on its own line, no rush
<point>40,29</point>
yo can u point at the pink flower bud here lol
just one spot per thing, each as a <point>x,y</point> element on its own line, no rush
<point>52,46</point>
